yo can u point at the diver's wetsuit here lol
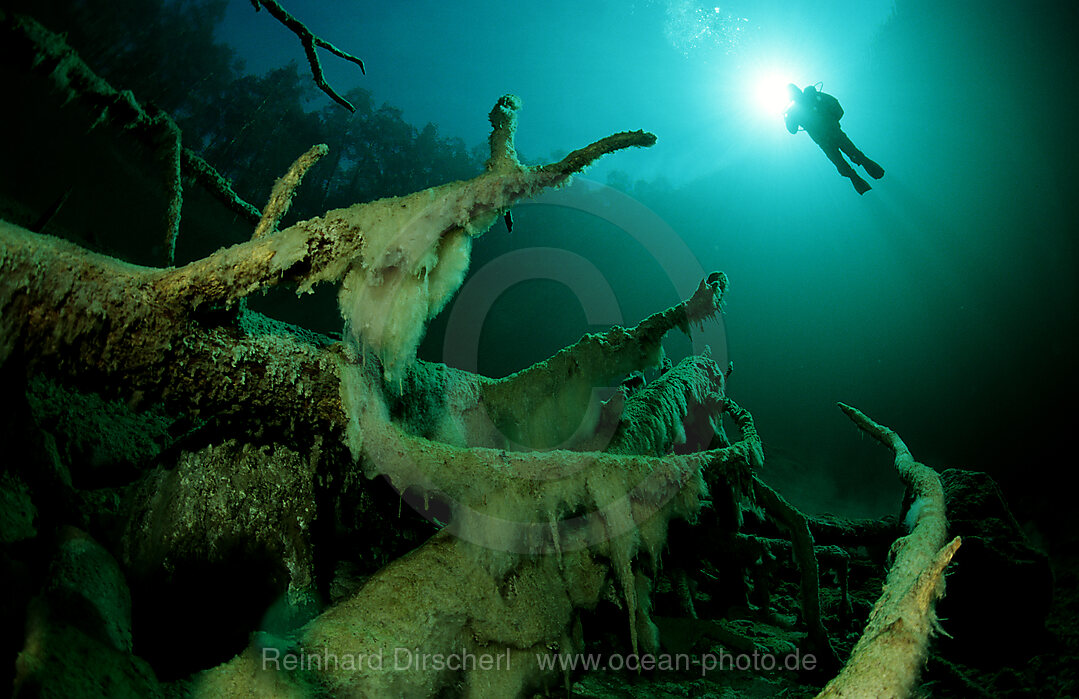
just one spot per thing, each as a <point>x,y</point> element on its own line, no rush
<point>809,110</point>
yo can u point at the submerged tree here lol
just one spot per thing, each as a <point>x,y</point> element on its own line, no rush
<point>264,431</point>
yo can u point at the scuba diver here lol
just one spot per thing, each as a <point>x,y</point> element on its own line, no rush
<point>819,114</point>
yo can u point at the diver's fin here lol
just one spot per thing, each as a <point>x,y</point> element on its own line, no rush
<point>875,171</point>
<point>859,184</point>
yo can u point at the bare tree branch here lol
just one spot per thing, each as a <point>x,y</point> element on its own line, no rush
<point>285,188</point>
<point>311,41</point>
<point>889,657</point>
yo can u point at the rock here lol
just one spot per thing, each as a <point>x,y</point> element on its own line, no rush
<point>17,511</point>
<point>215,542</point>
<point>61,660</point>
<point>1000,587</point>
<point>78,631</point>
<point>86,588</point>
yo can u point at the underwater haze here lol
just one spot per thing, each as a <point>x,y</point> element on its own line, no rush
<point>221,254</point>
<point>942,302</point>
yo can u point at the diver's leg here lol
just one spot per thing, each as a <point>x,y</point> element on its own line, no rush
<point>841,164</point>
<point>860,185</point>
<point>875,171</point>
<point>858,157</point>
<point>832,151</point>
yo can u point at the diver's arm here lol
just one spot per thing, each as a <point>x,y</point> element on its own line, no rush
<point>792,123</point>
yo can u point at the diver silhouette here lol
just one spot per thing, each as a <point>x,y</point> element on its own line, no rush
<point>819,114</point>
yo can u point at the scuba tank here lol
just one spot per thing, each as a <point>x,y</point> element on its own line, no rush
<point>827,104</point>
